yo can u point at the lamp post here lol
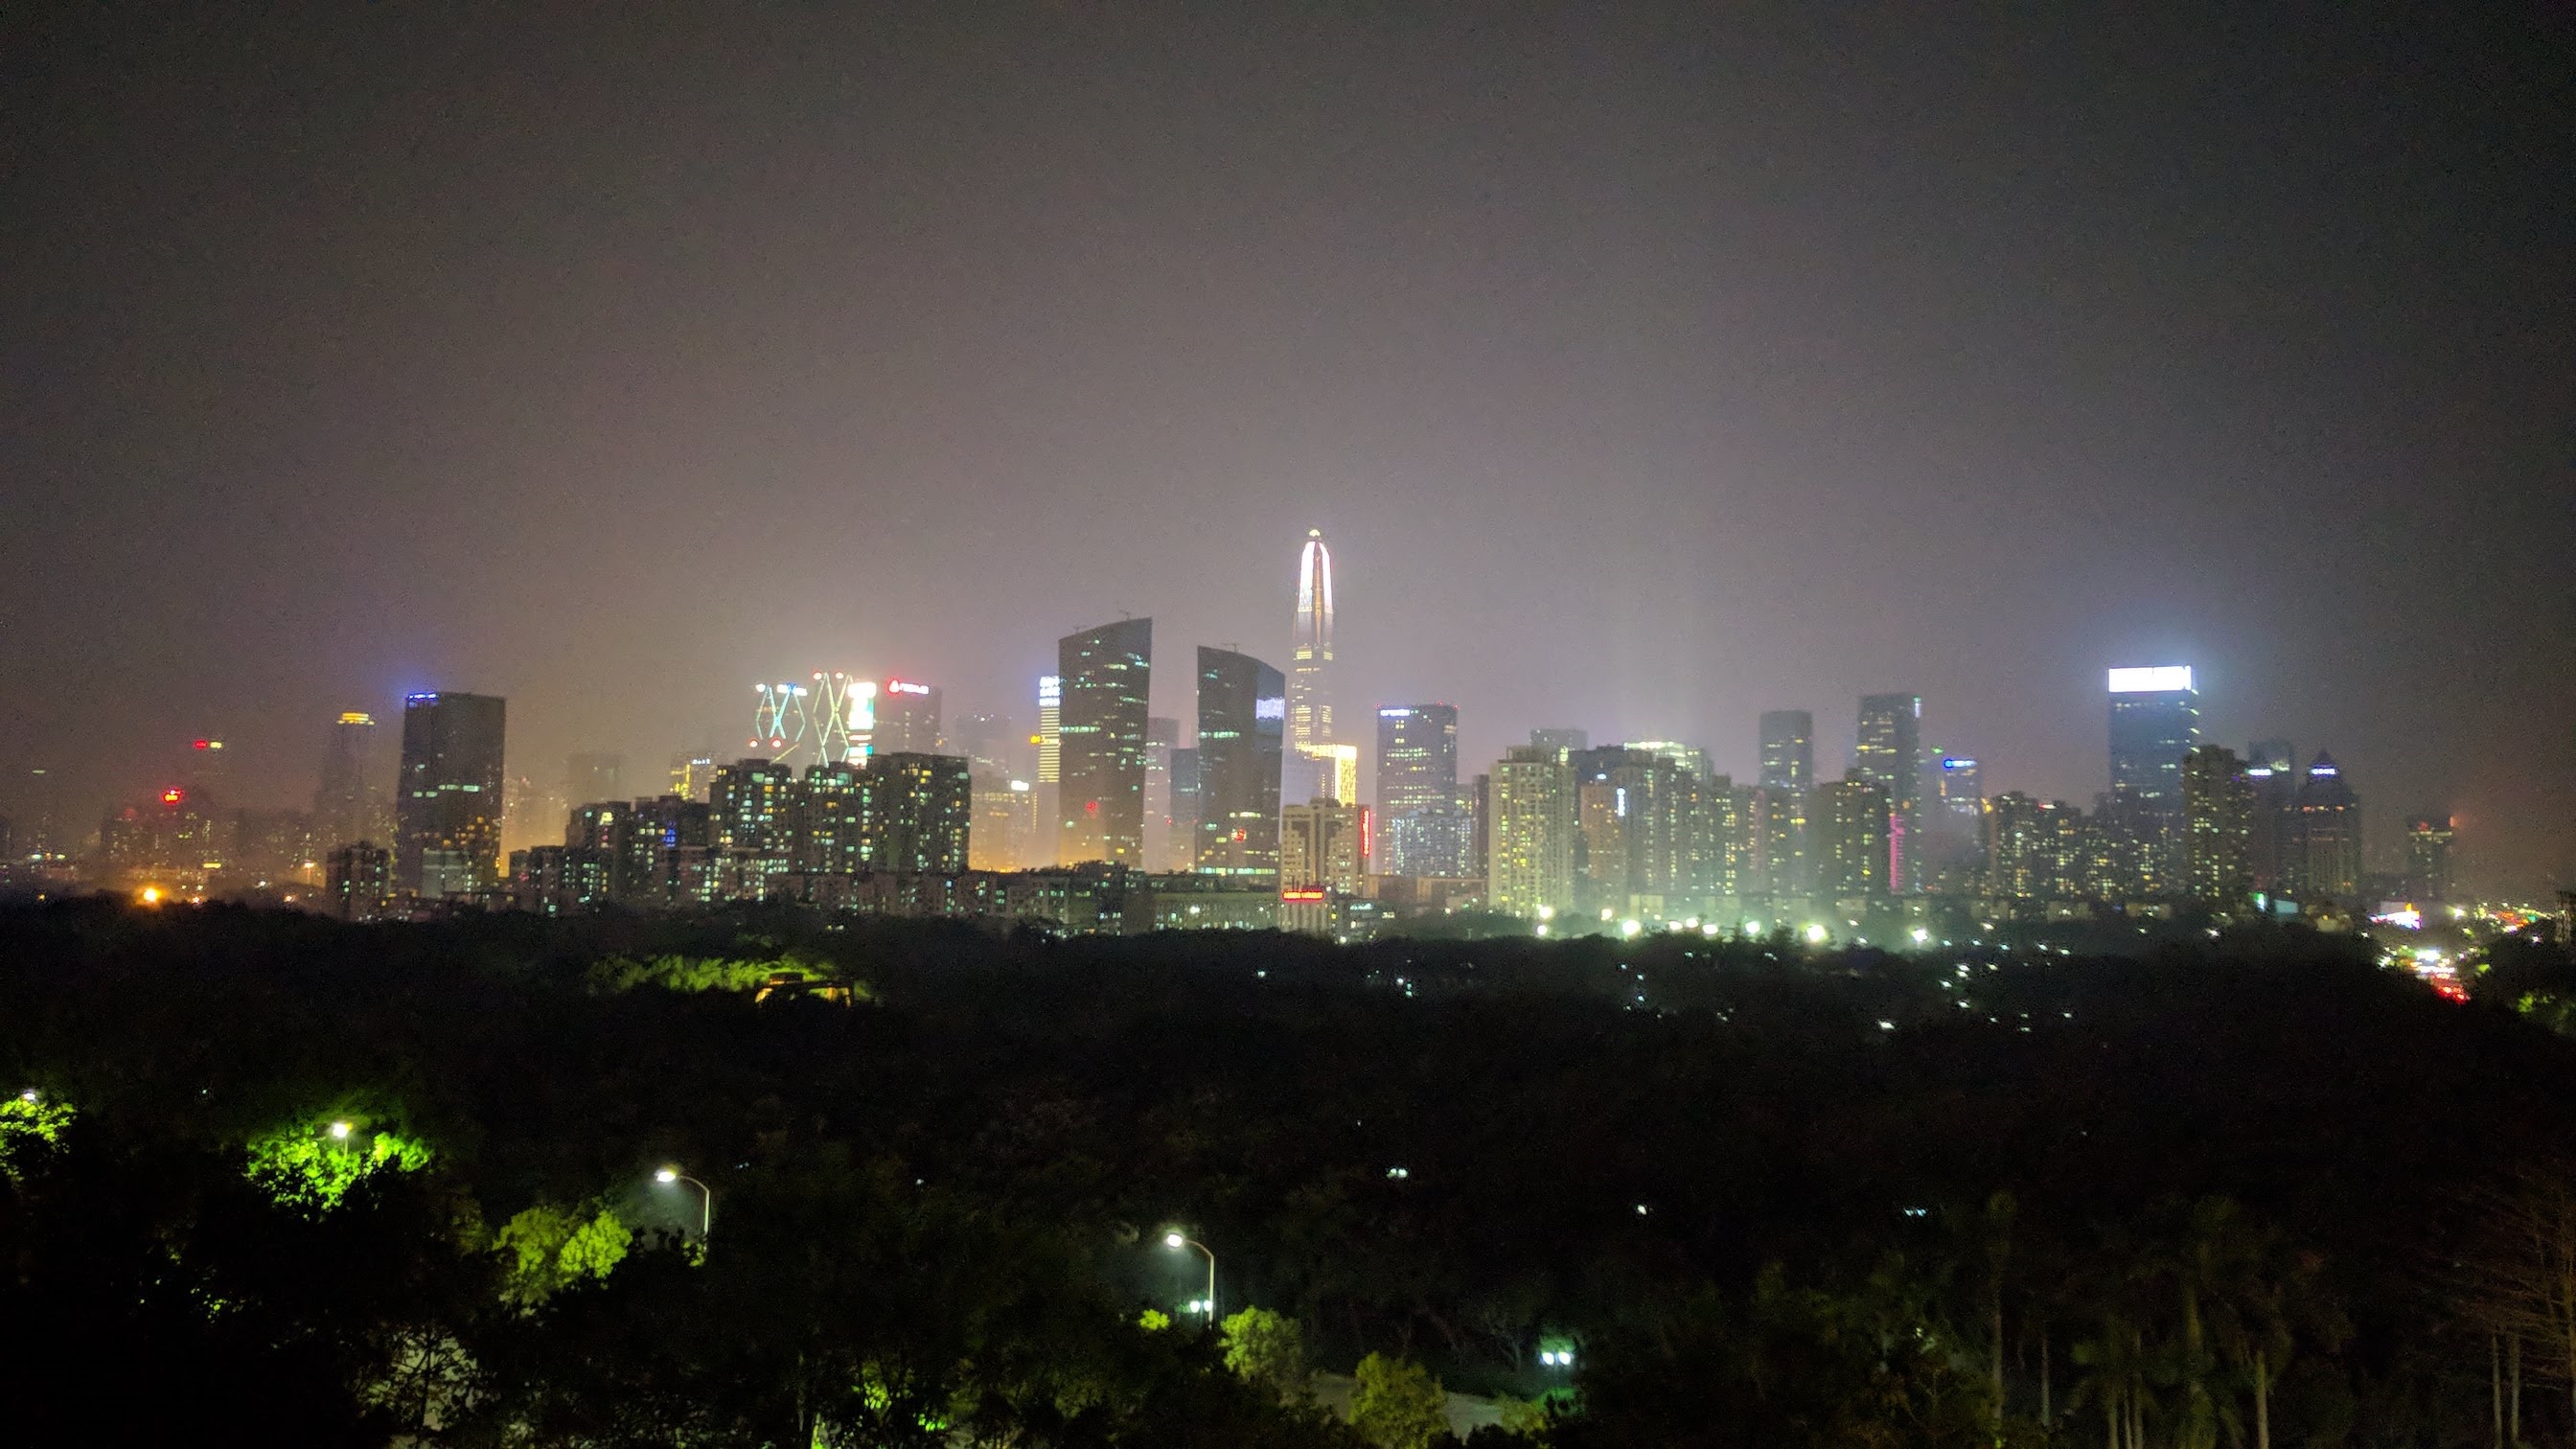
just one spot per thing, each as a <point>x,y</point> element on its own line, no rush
<point>706,1196</point>
<point>1176,1242</point>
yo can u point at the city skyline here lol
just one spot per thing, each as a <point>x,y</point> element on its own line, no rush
<point>1792,358</point>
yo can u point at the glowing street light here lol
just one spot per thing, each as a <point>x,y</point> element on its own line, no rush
<point>706,1196</point>
<point>340,1131</point>
<point>1176,1242</point>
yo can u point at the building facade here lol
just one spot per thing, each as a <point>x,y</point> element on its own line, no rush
<point>2155,722</point>
<point>1889,754</point>
<point>1530,851</point>
<point>2218,829</point>
<point>1420,832</point>
<point>448,805</point>
<point>1107,675</point>
<point>1243,715</point>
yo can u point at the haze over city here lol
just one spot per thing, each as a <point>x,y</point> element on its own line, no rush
<point>1647,370</point>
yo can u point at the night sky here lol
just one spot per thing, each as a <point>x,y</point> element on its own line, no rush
<point>1645,369</point>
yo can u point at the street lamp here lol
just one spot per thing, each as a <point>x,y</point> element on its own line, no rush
<point>340,1131</point>
<point>1176,1242</point>
<point>706,1196</point>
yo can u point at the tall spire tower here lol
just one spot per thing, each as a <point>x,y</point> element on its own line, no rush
<point>1310,690</point>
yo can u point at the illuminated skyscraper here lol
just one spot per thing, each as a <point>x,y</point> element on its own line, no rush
<point>1324,844</point>
<point>1310,667</point>
<point>1419,829</point>
<point>907,719</point>
<point>1959,799</point>
<point>1048,741</point>
<point>2428,857</point>
<point>1890,755</point>
<point>349,806</point>
<point>2326,856</point>
<point>1851,826</point>
<point>2155,720</point>
<point>1776,826</point>
<point>447,811</point>
<point>1530,848</point>
<point>1243,715</point>
<point>2218,828</point>
<point>923,813</point>
<point>1107,675</point>
<point>2272,769</point>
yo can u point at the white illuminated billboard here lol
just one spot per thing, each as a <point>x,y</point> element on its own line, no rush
<point>2157,679</point>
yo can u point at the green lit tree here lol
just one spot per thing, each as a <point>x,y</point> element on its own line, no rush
<point>1397,1404</point>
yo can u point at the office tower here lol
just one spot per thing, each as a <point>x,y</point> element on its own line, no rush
<point>1188,803</point>
<point>1324,844</point>
<point>1788,750</point>
<point>2155,720</point>
<point>1243,715</point>
<point>447,812</point>
<point>1337,773</point>
<point>1560,742</point>
<point>1889,754</point>
<point>589,777</point>
<point>2218,828</point>
<point>1530,851</point>
<point>692,771</point>
<point>2327,851</point>
<point>907,720</point>
<point>923,819</point>
<point>1310,666</point>
<point>2428,858</point>
<point>1044,849</point>
<point>1850,832</point>
<point>1107,674</point>
<point>1958,794</point>
<point>349,805</point>
<point>1419,832</point>
<point>2271,768</point>
<point>1162,736</point>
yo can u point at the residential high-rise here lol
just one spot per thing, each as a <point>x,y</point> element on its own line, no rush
<point>1243,715</point>
<point>1889,754</point>
<point>907,719</point>
<point>2155,720</point>
<point>447,809</point>
<point>2428,858</point>
<point>1479,796</point>
<point>2034,854</point>
<point>923,813</point>
<point>1530,850</point>
<point>349,806</point>
<point>1310,665</point>
<point>2327,853</point>
<point>1851,827</point>
<point>1324,844</point>
<point>1419,830</point>
<point>1108,674</point>
<point>1778,827</point>
<point>2218,828</point>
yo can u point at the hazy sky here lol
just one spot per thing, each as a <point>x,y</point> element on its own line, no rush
<point>1646,368</point>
